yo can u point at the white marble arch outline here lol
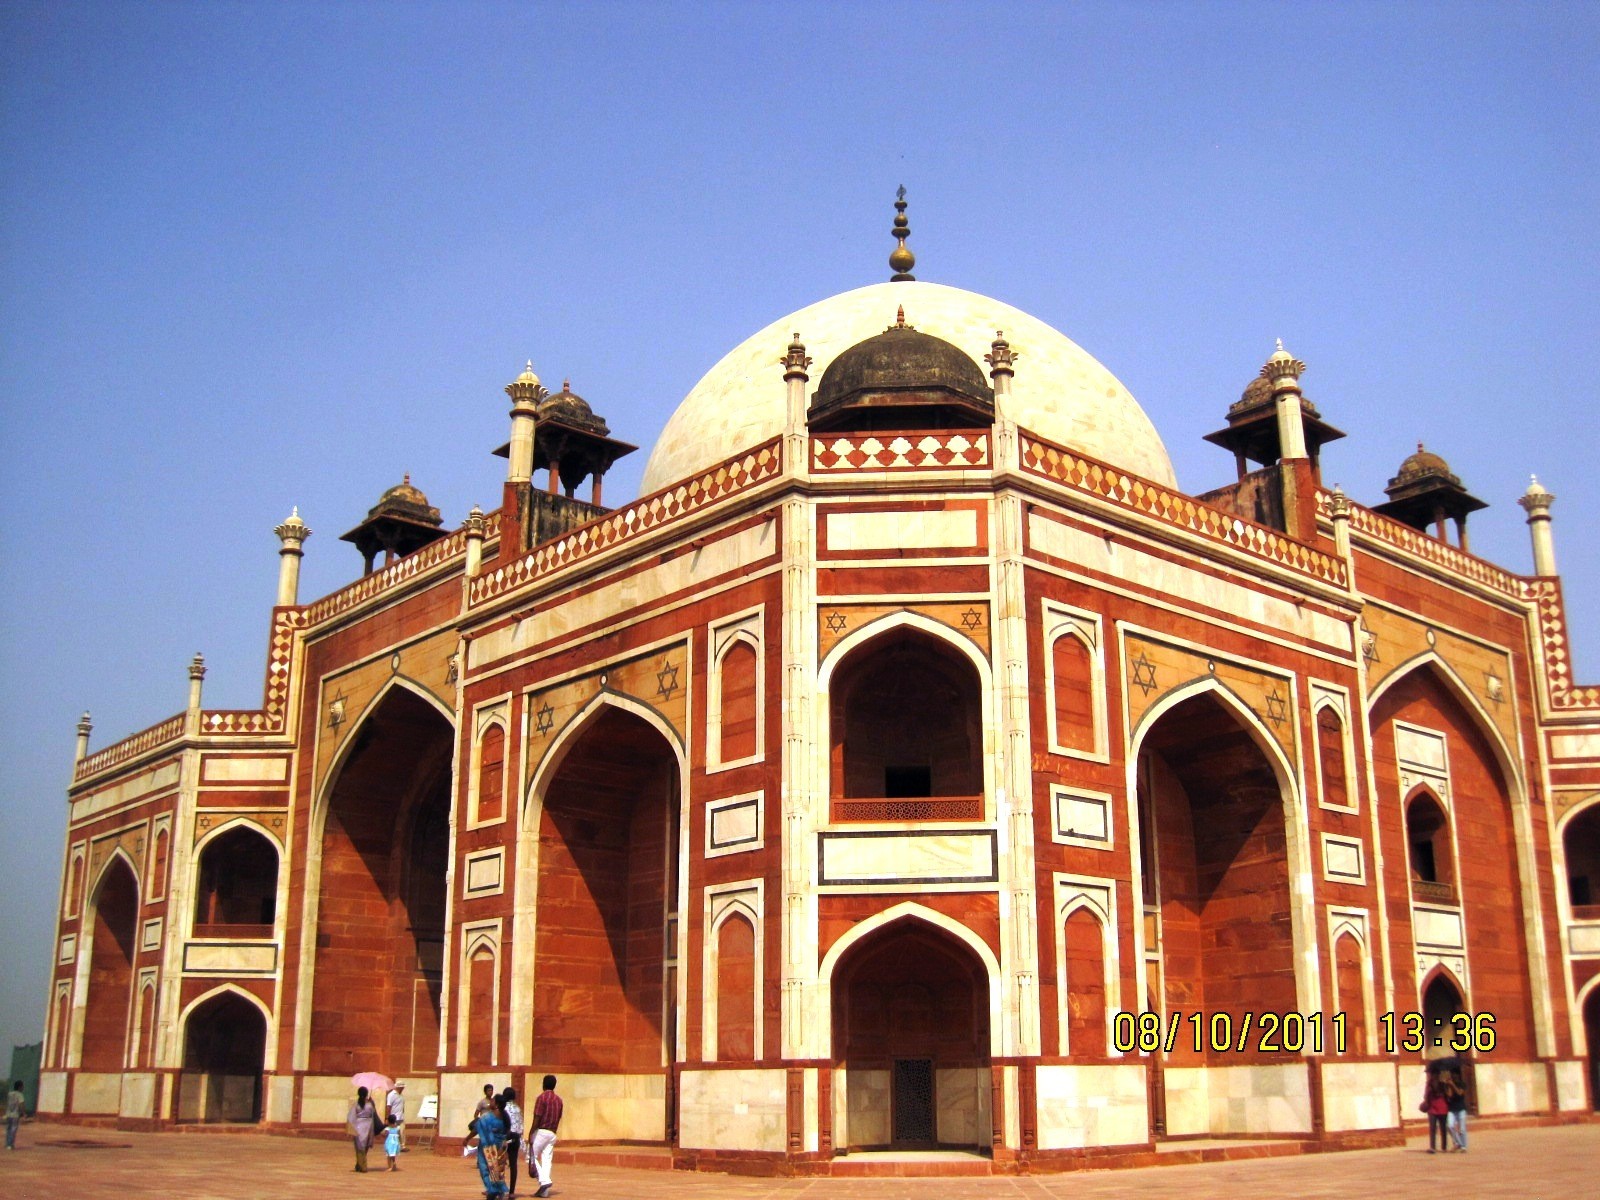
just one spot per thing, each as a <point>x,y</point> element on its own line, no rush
<point>188,1012</point>
<point>1098,897</point>
<point>524,923</point>
<point>1522,833</point>
<point>822,705</point>
<point>1352,922</point>
<point>316,824</point>
<point>910,908</point>
<point>86,926</point>
<point>1302,910</point>
<point>743,898</point>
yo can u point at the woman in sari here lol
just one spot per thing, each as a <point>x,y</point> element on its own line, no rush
<point>492,1130</point>
<point>363,1122</point>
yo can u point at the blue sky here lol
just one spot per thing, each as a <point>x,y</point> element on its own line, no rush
<point>263,255</point>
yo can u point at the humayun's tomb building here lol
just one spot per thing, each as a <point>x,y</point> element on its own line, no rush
<point>912,765</point>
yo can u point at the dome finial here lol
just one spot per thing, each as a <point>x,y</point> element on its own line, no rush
<point>901,260</point>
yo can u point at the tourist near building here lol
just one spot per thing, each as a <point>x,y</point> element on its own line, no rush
<point>912,765</point>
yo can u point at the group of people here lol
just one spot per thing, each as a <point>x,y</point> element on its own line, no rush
<point>366,1123</point>
<point>498,1128</point>
<point>1444,1100</point>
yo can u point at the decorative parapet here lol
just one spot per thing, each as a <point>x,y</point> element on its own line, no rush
<point>401,571</point>
<point>1560,692</point>
<point>1183,512</point>
<point>1420,545</point>
<point>170,730</point>
<point>651,512</point>
<point>937,450</point>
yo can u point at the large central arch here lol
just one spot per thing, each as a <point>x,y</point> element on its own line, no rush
<point>1216,863</point>
<point>111,955</point>
<point>385,841</point>
<point>602,850</point>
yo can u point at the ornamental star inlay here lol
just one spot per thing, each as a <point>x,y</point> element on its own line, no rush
<point>1494,688</point>
<point>1277,707</point>
<point>835,621</point>
<point>666,680</point>
<point>971,619</point>
<point>1144,674</point>
<point>544,719</point>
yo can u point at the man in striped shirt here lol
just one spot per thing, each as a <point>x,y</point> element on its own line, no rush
<point>546,1119</point>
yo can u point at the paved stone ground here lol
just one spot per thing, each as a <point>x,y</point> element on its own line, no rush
<point>1541,1163</point>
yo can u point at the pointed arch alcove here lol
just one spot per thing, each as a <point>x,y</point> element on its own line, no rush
<point>383,828</point>
<point>108,1006</point>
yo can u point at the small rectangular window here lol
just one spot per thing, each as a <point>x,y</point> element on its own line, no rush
<point>907,781</point>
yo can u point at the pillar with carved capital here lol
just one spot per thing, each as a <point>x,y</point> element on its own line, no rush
<point>1002,366</point>
<point>1339,509</point>
<point>1536,503</point>
<point>476,527</point>
<point>197,675</point>
<point>524,391</point>
<point>85,728</point>
<point>292,534</point>
<point>1283,371</point>
<point>794,363</point>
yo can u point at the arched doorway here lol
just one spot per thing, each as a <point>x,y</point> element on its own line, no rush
<point>1441,1002</point>
<point>381,901</point>
<point>911,1041</point>
<point>605,974</point>
<point>224,1047</point>
<point>110,998</point>
<point>1214,856</point>
<point>1581,841</point>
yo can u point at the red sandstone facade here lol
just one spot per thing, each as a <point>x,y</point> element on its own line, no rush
<point>842,795</point>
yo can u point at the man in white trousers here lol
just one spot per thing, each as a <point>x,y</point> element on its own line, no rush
<point>544,1121</point>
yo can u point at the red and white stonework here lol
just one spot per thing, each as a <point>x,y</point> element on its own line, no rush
<point>842,791</point>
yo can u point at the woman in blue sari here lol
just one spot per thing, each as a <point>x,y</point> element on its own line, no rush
<point>492,1130</point>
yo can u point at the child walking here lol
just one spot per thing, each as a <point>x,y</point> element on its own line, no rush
<point>391,1142</point>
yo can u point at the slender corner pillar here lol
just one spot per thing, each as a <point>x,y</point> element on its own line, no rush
<point>197,675</point>
<point>85,728</point>
<point>1536,502</point>
<point>795,435</point>
<point>524,391</point>
<point>476,528</point>
<point>292,534</point>
<point>806,1027</point>
<point>1013,778</point>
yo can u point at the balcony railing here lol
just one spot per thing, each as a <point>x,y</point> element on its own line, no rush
<point>886,809</point>
<point>1433,892</point>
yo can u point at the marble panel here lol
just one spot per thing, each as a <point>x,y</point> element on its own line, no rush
<point>280,1098</point>
<point>326,1099</point>
<point>138,1095</point>
<point>1511,1087</point>
<point>734,1110</point>
<point>957,528</point>
<point>1092,1106</point>
<point>1360,1095</point>
<point>230,958</point>
<point>943,857</point>
<point>1570,1094</point>
<point>962,1096</point>
<point>866,1109</point>
<point>97,1093</point>
<point>52,1092</point>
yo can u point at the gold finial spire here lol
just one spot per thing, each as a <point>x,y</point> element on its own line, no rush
<point>901,259</point>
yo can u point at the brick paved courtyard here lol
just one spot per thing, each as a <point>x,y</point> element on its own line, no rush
<point>61,1160</point>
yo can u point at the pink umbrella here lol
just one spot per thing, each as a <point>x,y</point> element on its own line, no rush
<point>375,1082</point>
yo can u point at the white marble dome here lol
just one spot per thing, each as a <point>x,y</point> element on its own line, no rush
<point>1060,392</point>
